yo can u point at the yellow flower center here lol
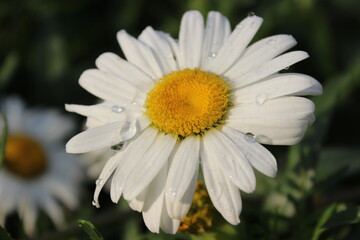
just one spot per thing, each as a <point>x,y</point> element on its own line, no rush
<point>24,156</point>
<point>187,102</point>
<point>200,215</point>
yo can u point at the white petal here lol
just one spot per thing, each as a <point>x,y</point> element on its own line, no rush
<point>113,64</point>
<point>224,195</point>
<point>162,49</point>
<point>139,54</point>
<point>191,39</point>
<point>279,85</point>
<point>273,66</point>
<point>274,132</point>
<point>92,122</point>
<point>168,224</point>
<point>105,86</point>
<point>235,44</point>
<point>183,167</point>
<point>216,32</point>
<point>29,219</point>
<point>232,161</point>
<point>96,138</point>
<point>49,205</point>
<point>173,45</point>
<point>258,156</point>
<point>179,208</point>
<point>13,107</point>
<point>108,169</point>
<point>130,157</point>
<point>137,203</point>
<point>100,112</point>
<point>149,165</point>
<point>259,53</point>
<point>48,125</point>
<point>154,201</point>
<point>284,109</point>
<point>62,191</point>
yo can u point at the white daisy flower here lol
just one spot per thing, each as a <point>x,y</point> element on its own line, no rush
<point>37,173</point>
<point>208,99</point>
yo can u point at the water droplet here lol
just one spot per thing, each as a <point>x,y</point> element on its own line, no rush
<point>218,190</point>
<point>211,55</point>
<point>99,182</point>
<point>117,109</point>
<point>250,138</point>
<point>261,98</point>
<point>129,130</point>
<point>118,147</point>
<point>171,193</point>
<point>95,203</point>
<point>250,14</point>
<point>240,26</point>
<point>271,41</point>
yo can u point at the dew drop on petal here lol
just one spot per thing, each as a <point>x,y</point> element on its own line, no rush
<point>240,26</point>
<point>261,98</point>
<point>218,191</point>
<point>96,204</point>
<point>171,194</point>
<point>271,41</point>
<point>117,109</point>
<point>99,182</point>
<point>211,55</point>
<point>250,138</point>
<point>129,130</point>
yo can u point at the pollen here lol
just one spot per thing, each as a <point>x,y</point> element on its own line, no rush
<point>187,102</point>
<point>24,156</point>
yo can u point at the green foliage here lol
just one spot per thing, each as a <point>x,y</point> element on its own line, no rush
<point>7,69</point>
<point>4,235</point>
<point>90,229</point>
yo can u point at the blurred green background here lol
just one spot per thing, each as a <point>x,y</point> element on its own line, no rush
<point>46,45</point>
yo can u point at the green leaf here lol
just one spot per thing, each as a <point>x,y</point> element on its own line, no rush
<point>3,139</point>
<point>323,219</point>
<point>348,216</point>
<point>7,68</point>
<point>90,229</point>
<point>4,235</point>
<point>132,231</point>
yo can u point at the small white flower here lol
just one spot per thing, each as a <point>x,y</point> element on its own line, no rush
<point>37,172</point>
<point>207,97</point>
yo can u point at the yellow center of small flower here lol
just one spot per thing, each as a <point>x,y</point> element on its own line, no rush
<point>186,102</point>
<point>200,215</point>
<point>24,156</point>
